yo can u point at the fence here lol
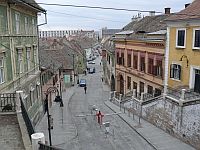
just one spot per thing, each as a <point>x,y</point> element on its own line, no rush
<point>27,120</point>
<point>47,147</point>
<point>7,102</point>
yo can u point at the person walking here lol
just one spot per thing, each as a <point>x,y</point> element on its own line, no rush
<point>85,88</point>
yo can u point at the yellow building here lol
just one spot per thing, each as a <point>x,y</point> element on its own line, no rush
<point>183,49</point>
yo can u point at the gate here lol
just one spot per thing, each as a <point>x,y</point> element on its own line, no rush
<point>26,118</point>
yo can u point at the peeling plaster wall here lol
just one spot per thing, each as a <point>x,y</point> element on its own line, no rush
<point>180,121</point>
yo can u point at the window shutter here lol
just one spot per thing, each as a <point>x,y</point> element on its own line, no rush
<point>171,71</point>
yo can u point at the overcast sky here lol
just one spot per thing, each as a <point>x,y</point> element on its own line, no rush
<point>59,18</point>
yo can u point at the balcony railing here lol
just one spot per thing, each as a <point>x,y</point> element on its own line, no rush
<point>8,102</point>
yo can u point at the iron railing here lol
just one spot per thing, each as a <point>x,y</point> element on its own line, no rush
<point>47,147</point>
<point>27,120</point>
<point>7,102</point>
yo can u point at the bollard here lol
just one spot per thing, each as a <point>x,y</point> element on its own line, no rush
<point>35,138</point>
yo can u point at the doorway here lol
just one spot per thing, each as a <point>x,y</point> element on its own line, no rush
<point>197,81</point>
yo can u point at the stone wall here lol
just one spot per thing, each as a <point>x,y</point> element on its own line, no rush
<point>180,121</point>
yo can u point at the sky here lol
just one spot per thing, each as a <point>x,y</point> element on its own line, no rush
<point>71,18</point>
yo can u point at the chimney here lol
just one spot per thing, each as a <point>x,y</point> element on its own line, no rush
<point>152,13</point>
<point>167,10</point>
<point>186,5</point>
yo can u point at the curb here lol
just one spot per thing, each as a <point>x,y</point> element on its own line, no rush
<point>132,127</point>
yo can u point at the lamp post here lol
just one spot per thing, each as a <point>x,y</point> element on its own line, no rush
<point>57,99</point>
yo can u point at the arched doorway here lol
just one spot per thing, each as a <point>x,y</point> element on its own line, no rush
<point>112,83</point>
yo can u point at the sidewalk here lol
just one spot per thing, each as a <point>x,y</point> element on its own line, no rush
<point>157,137</point>
<point>63,129</point>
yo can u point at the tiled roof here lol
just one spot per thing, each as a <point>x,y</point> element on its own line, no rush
<point>30,3</point>
<point>190,12</point>
<point>147,24</point>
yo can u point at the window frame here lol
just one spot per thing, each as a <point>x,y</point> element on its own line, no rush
<point>177,30</point>
<point>17,22</point>
<point>193,44</point>
<point>20,61</point>
<point>173,74</point>
<point>26,25</point>
<point>28,58</point>
<point>2,71</point>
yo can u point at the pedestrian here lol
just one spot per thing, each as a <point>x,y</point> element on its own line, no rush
<point>100,63</point>
<point>85,88</point>
<point>102,78</point>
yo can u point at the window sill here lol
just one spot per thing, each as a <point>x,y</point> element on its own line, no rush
<point>196,48</point>
<point>180,47</point>
<point>175,79</point>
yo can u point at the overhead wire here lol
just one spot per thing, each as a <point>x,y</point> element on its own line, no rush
<point>110,8</point>
<point>84,16</point>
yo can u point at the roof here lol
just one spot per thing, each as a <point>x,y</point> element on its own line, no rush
<point>190,12</point>
<point>30,3</point>
<point>124,32</point>
<point>147,24</point>
<point>160,32</point>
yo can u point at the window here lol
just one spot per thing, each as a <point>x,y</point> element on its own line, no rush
<point>180,38</point>
<point>135,85</point>
<point>135,61</point>
<point>141,87</point>
<point>19,61</point>
<point>35,55</point>
<point>150,89</point>
<point>142,64</point>
<point>175,71</point>
<point>28,58</point>
<point>150,66</point>
<point>1,70</point>
<point>17,23</point>
<point>196,39</point>
<point>117,58</point>
<point>122,59</point>
<point>158,68</point>
<point>128,82</point>
<point>3,20</point>
<point>26,25</point>
<point>34,26</point>
<point>129,60</point>
<point>157,92</point>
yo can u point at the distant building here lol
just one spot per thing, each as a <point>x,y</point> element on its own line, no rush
<point>67,33</point>
<point>105,32</point>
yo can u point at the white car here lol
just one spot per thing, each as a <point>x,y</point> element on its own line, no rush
<point>91,62</point>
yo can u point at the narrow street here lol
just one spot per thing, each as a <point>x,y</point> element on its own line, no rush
<point>88,134</point>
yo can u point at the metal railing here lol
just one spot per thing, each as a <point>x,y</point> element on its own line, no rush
<point>189,94</point>
<point>7,102</point>
<point>27,120</point>
<point>47,147</point>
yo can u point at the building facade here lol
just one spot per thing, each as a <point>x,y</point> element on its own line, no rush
<point>19,53</point>
<point>183,47</point>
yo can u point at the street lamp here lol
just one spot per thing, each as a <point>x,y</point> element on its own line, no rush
<point>57,99</point>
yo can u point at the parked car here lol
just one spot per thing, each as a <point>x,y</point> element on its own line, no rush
<point>91,70</point>
<point>82,82</point>
<point>91,62</point>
